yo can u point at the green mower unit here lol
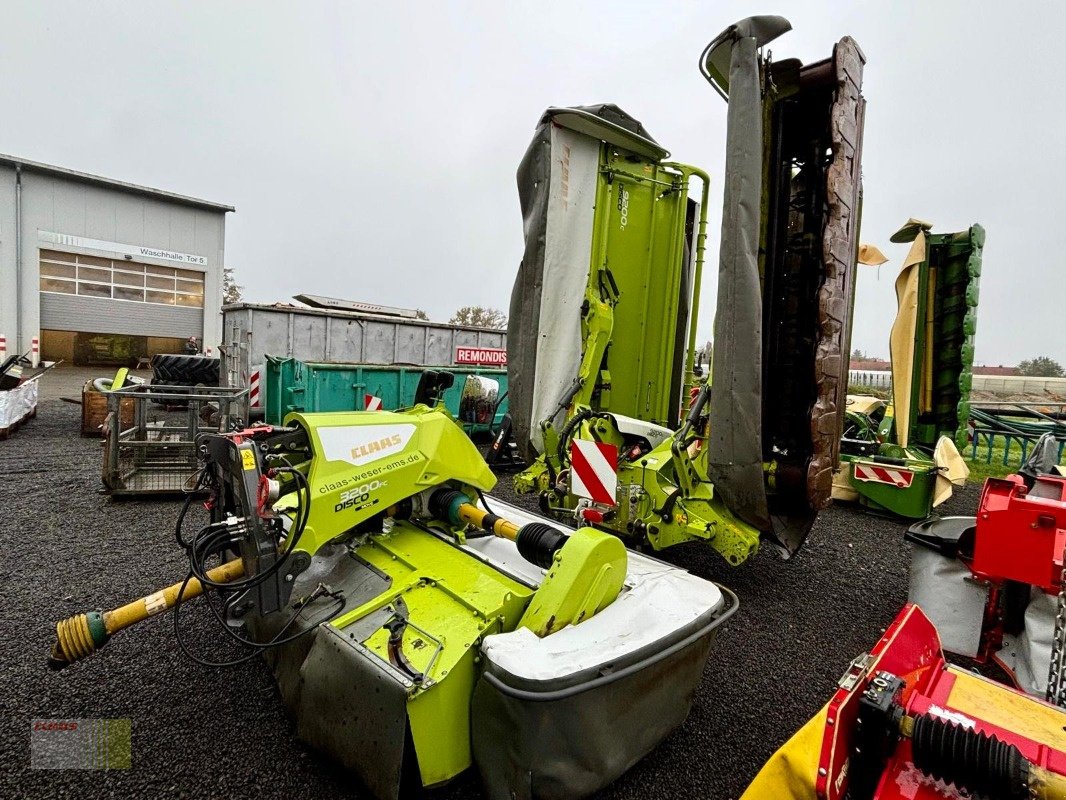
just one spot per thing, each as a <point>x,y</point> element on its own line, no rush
<point>620,429</point>
<point>903,458</point>
<point>416,627</point>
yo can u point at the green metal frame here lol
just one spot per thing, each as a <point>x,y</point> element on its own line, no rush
<point>450,598</point>
<point>948,294</point>
<point>638,252</point>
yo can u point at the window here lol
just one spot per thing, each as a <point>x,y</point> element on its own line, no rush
<point>119,279</point>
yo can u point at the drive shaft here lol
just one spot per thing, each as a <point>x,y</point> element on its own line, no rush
<point>83,634</point>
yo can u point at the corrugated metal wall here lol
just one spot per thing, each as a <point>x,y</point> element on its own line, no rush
<point>253,332</point>
<point>98,315</point>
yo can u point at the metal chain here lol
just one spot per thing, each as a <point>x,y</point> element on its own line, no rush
<point>1056,689</point>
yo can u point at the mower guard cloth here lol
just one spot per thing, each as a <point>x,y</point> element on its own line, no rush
<point>735,456</point>
<point>951,469</point>
<point>338,698</point>
<point>901,339</point>
<point>943,588</point>
<point>1027,654</point>
<point>757,339</point>
<point>1043,459</point>
<point>791,772</point>
<point>558,737</point>
<point>557,183</point>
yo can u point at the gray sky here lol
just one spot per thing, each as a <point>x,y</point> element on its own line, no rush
<point>370,148</point>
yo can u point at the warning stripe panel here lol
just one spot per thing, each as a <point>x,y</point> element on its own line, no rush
<point>594,471</point>
<point>893,476</point>
<point>254,394</point>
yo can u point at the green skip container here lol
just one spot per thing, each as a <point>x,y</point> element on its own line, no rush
<point>305,386</point>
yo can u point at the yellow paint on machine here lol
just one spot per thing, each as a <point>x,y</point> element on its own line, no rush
<point>989,702</point>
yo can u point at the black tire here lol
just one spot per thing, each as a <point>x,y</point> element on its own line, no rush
<point>182,370</point>
<point>171,388</point>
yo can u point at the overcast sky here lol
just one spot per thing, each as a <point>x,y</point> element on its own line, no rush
<point>371,148</point>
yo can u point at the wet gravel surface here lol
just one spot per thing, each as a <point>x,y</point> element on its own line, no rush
<point>199,732</point>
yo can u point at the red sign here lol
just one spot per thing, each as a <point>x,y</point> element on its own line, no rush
<point>481,356</point>
<point>594,471</point>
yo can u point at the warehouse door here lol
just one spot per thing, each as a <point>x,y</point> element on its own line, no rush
<point>114,308</point>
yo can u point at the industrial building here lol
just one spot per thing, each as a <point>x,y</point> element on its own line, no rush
<point>99,271</point>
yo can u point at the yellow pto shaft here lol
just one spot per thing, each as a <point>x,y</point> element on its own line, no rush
<point>472,515</point>
<point>83,634</point>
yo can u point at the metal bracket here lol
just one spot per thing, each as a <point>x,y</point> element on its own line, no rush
<point>856,671</point>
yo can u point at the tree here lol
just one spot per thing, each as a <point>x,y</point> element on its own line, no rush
<point>420,314</point>
<point>480,317</point>
<point>858,355</point>
<point>231,290</point>
<point>1041,367</point>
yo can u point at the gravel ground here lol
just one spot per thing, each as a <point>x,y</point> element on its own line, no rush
<point>200,732</point>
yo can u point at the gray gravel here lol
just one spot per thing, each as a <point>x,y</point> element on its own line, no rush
<point>200,732</point>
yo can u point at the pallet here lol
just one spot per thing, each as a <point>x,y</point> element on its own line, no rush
<point>10,429</point>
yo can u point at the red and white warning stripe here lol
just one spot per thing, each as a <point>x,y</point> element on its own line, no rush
<point>372,403</point>
<point>971,430</point>
<point>255,395</point>
<point>35,351</point>
<point>870,473</point>
<point>3,347</point>
<point>594,471</point>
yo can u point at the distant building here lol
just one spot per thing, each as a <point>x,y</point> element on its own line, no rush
<point>104,272</point>
<point>869,365</point>
<point>1001,371</point>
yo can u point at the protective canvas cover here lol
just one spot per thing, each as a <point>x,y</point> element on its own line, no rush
<point>18,403</point>
<point>1028,654</point>
<point>762,327</point>
<point>557,181</point>
<point>901,339</point>
<point>942,587</point>
<point>735,454</point>
<point>342,702</point>
<point>840,244</point>
<point>545,321</point>
<point>569,736</point>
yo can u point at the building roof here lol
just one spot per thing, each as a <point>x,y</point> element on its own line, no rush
<point>85,177</point>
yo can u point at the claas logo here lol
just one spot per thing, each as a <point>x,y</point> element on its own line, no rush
<point>380,446</point>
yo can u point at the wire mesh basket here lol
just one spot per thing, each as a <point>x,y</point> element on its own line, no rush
<point>156,453</point>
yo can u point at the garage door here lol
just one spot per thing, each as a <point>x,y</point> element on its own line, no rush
<point>103,295</point>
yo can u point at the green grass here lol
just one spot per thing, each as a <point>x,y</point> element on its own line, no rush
<point>980,469</point>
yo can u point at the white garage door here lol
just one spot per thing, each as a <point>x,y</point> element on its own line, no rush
<point>103,295</point>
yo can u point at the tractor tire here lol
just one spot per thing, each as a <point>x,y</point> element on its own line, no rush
<point>169,387</point>
<point>182,370</point>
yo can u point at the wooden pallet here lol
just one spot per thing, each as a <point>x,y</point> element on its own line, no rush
<point>10,429</point>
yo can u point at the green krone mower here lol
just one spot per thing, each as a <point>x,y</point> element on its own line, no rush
<point>902,457</point>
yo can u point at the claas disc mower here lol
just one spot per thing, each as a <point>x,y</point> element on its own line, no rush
<point>416,627</point>
<point>621,428</point>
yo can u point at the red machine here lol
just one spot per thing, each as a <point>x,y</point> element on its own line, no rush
<point>905,724</point>
<point>1021,531</point>
<point>1014,543</point>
